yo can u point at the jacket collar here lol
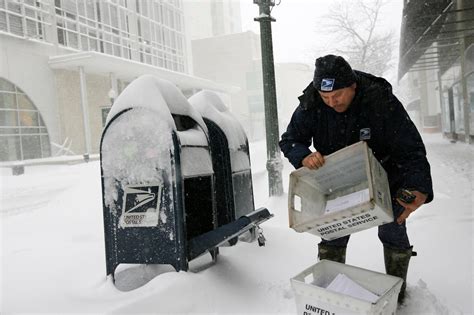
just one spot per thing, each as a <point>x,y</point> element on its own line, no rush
<point>309,97</point>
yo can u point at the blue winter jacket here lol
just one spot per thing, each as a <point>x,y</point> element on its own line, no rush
<point>375,116</point>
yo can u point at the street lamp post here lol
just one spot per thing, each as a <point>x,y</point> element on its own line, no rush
<point>274,163</point>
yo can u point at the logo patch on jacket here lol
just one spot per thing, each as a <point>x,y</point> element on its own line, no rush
<point>364,134</point>
<point>327,84</point>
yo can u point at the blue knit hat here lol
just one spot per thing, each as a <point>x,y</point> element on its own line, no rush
<point>332,73</point>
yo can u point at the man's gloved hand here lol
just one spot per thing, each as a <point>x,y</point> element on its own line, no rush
<point>313,161</point>
<point>411,207</point>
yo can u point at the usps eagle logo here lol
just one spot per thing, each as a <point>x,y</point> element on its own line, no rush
<point>141,206</point>
<point>364,134</point>
<point>327,84</point>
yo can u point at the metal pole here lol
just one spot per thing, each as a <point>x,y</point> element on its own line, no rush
<point>466,109</point>
<point>442,104</point>
<point>85,113</point>
<point>274,163</point>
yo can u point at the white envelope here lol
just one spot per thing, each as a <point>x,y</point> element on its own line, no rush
<point>345,285</point>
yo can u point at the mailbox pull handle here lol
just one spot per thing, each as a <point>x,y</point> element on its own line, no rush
<point>260,239</point>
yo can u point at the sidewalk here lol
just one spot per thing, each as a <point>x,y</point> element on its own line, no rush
<point>457,159</point>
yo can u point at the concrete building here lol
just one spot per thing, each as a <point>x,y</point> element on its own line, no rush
<point>210,18</point>
<point>235,59</point>
<point>63,62</point>
<point>221,52</point>
<point>422,101</point>
<point>437,65</point>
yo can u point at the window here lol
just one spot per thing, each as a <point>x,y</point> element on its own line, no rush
<point>23,133</point>
<point>154,31</point>
<point>23,18</point>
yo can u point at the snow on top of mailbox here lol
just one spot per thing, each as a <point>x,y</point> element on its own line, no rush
<point>148,91</point>
<point>211,106</point>
<point>135,150</point>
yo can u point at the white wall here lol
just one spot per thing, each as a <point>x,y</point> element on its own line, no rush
<point>25,64</point>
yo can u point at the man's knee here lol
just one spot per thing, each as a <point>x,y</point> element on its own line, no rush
<point>340,242</point>
<point>394,235</point>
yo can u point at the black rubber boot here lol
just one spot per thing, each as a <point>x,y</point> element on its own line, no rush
<point>334,253</point>
<point>396,264</point>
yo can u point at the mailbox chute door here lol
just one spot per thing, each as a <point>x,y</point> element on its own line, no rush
<point>231,155</point>
<point>141,213</point>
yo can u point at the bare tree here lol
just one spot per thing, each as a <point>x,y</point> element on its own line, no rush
<point>356,28</point>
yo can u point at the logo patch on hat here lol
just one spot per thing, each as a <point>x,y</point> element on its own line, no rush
<point>364,134</point>
<point>327,84</point>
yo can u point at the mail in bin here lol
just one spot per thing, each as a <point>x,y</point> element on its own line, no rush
<point>348,194</point>
<point>230,157</point>
<point>330,287</point>
<point>158,181</point>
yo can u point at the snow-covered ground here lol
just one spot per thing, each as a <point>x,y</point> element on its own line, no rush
<point>53,258</point>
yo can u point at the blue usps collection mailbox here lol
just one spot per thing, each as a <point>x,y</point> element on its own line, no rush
<point>176,177</point>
